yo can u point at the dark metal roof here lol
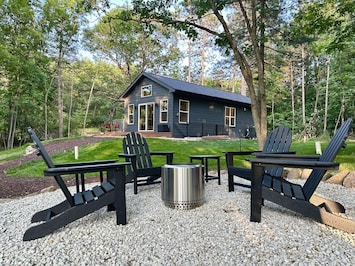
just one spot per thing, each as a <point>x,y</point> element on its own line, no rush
<point>183,86</point>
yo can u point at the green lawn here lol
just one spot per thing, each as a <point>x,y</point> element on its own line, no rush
<point>109,149</point>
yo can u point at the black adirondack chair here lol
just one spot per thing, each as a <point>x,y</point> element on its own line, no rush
<point>141,170</point>
<point>301,199</point>
<point>278,141</point>
<point>110,193</point>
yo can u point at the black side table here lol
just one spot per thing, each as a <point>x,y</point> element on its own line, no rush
<point>204,161</point>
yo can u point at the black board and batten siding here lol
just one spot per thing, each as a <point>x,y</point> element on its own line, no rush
<point>206,114</point>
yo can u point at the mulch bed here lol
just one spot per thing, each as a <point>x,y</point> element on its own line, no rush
<point>14,187</point>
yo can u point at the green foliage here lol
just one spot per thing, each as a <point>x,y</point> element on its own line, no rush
<point>129,45</point>
<point>33,33</point>
<point>333,18</point>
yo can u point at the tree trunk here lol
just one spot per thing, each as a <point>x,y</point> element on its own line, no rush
<point>257,94</point>
<point>319,76</point>
<point>88,104</point>
<point>292,96</point>
<point>326,96</point>
<point>46,109</point>
<point>303,87</point>
<point>71,106</point>
<point>11,127</point>
<point>203,44</point>
<point>60,95</point>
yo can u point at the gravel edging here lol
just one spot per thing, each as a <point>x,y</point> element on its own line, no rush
<point>217,233</point>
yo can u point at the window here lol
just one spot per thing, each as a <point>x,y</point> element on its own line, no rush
<point>163,111</point>
<point>184,109</point>
<point>230,116</point>
<point>146,117</point>
<point>146,91</point>
<point>131,114</point>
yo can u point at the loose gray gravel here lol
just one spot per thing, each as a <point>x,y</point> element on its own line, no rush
<point>217,233</point>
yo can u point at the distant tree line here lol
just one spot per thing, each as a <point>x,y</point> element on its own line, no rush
<point>64,63</point>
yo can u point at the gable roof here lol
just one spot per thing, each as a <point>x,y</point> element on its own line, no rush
<point>187,87</point>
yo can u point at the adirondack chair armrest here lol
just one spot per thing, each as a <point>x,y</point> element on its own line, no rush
<point>230,156</point>
<point>168,154</point>
<point>273,154</point>
<point>78,169</point>
<point>132,158</point>
<point>129,156</point>
<point>286,156</point>
<point>85,163</point>
<point>292,163</point>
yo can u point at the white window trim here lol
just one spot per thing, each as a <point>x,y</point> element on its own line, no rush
<point>229,116</point>
<point>187,112</point>
<point>129,123</point>
<point>150,88</point>
<point>164,111</point>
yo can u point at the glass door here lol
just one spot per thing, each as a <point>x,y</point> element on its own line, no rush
<point>146,117</point>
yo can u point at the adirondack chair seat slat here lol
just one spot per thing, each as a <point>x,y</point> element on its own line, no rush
<point>267,181</point>
<point>107,186</point>
<point>298,192</point>
<point>77,205</point>
<point>278,141</point>
<point>88,196</point>
<point>276,185</point>
<point>78,199</point>
<point>98,191</point>
<point>287,190</point>
<point>301,198</point>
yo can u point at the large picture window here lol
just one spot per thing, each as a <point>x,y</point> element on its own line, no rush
<point>184,110</point>
<point>230,114</point>
<point>163,111</point>
<point>146,91</point>
<point>131,114</point>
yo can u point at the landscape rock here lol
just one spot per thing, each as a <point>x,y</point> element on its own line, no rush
<point>305,173</point>
<point>349,180</point>
<point>327,176</point>
<point>48,189</point>
<point>337,178</point>
<point>294,173</point>
<point>30,150</point>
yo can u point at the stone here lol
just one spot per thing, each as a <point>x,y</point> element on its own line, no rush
<point>294,173</point>
<point>305,173</point>
<point>48,189</point>
<point>337,178</point>
<point>30,150</point>
<point>349,180</point>
<point>327,176</point>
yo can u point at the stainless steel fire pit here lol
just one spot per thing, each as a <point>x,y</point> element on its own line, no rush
<point>182,186</point>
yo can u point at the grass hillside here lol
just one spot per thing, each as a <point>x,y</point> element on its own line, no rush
<point>108,149</point>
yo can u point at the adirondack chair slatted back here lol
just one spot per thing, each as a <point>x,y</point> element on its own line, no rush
<point>329,154</point>
<point>42,151</point>
<point>134,143</point>
<point>279,140</point>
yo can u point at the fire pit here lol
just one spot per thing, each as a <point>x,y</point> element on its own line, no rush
<point>182,186</point>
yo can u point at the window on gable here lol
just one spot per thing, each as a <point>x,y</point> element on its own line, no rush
<point>163,111</point>
<point>230,114</point>
<point>131,114</point>
<point>146,91</point>
<point>184,110</point>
